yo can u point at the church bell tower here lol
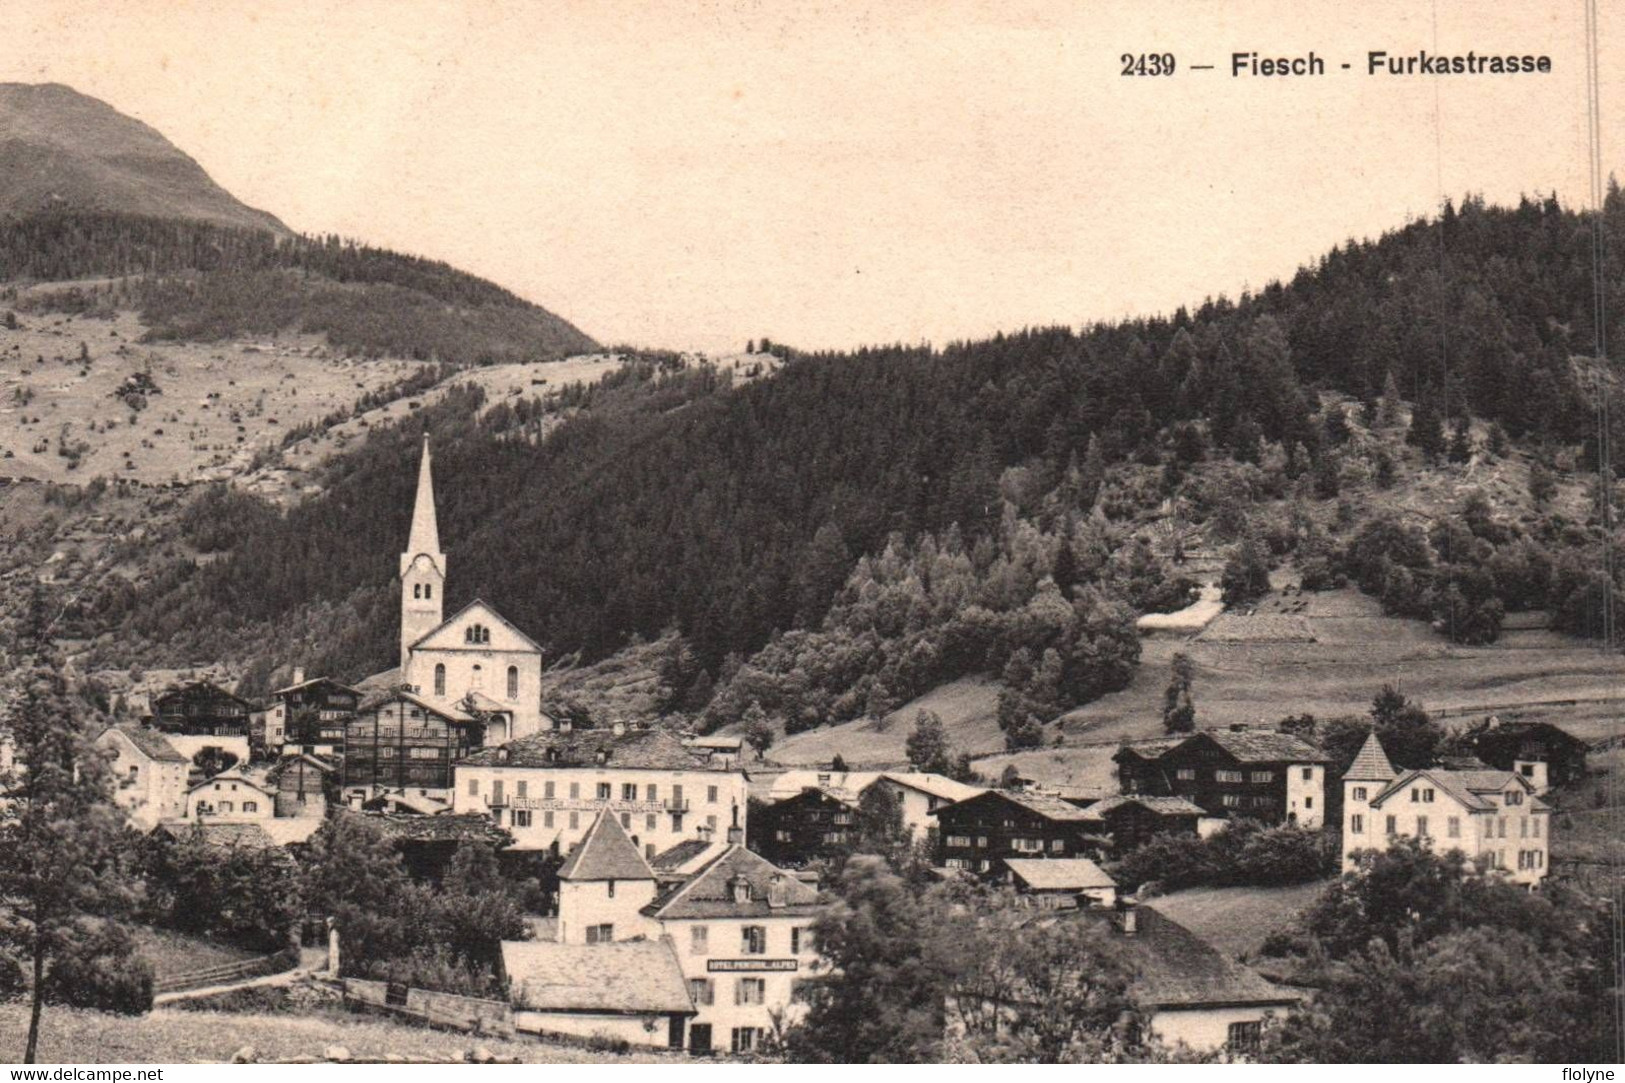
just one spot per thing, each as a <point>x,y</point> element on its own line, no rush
<point>423,568</point>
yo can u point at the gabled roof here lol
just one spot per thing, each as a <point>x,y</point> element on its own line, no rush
<point>791,783</point>
<point>605,853</point>
<point>1371,763</point>
<point>683,853</point>
<point>1466,787</point>
<point>1150,748</point>
<point>709,893</point>
<point>281,766</point>
<point>934,785</point>
<point>373,702</point>
<point>1046,805</point>
<point>1176,969</point>
<point>1162,806</point>
<point>1059,873</point>
<point>1263,746</point>
<point>149,742</point>
<point>231,776</point>
<point>650,749</point>
<point>631,976</point>
<point>315,680</point>
<point>816,793</point>
<point>491,610</point>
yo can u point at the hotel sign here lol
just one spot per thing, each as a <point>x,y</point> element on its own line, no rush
<point>736,966</point>
<point>585,804</point>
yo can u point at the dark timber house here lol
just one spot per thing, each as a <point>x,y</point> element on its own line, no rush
<point>977,834</point>
<point>1522,746</point>
<point>1258,774</point>
<point>201,709</point>
<point>399,741</point>
<point>317,711</point>
<point>814,823</point>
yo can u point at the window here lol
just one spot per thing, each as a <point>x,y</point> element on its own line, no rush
<point>1232,800</point>
<point>1452,827</point>
<point>1359,793</point>
<point>575,790</point>
<point>1356,824</point>
<point>1427,795</point>
<point>1393,825</point>
<point>1308,774</point>
<point>1421,826</point>
<point>575,820</point>
<point>473,787</point>
<point>440,678</point>
<point>1027,846</point>
<point>1308,802</point>
<point>677,796</point>
<point>1228,776</point>
<point>703,990</point>
<point>1263,776</point>
<point>750,991</point>
<point>958,840</point>
<point>521,817</point>
<point>745,1038</point>
<point>981,840</point>
<point>753,940</point>
<point>547,819</point>
<point>1536,830</point>
<point>711,822</point>
<point>1057,845</point>
<point>801,939</point>
<point>649,822</point>
<point>521,790</point>
<point>600,934</point>
<point>1244,1037</point>
<point>547,790</point>
<point>626,821</point>
<point>1416,794</point>
<point>1186,774</point>
<point>225,806</point>
<point>496,792</point>
<point>629,791</point>
<point>251,806</point>
<point>513,682</point>
<point>711,795</point>
<point>1501,829</point>
<point>1527,770</point>
<point>782,835</point>
<point>1514,797</point>
<point>603,791</point>
<point>651,792</point>
<point>611,886</point>
<point>699,939</point>
<point>417,590</point>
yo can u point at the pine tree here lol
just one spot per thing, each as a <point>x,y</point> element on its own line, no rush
<point>1389,407</point>
<point>1427,429</point>
<point>1178,709</point>
<point>1461,441</point>
<point>63,846</point>
<point>927,746</point>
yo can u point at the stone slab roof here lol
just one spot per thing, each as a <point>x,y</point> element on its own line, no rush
<point>628,977</point>
<point>709,893</point>
<point>646,749</point>
<point>150,743</point>
<point>1058,874</point>
<point>605,853</point>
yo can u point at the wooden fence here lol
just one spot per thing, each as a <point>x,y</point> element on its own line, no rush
<point>473,1014</point>
<point>228,973</point>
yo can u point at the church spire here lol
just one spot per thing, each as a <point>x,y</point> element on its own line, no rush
<point>425,536</point>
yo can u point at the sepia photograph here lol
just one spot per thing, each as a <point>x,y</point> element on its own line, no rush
<point>742,532</point>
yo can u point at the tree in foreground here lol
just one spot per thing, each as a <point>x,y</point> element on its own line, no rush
<point>63,876</point>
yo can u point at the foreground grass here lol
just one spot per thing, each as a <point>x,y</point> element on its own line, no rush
<point>174,953</point>
<point>73,1036</point>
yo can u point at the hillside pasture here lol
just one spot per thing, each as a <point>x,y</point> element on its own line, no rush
<point>968,709</point>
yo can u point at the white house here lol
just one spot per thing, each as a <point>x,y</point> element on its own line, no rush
<point>547,789</point>
<point>920,793</point>
<point>1490,815</point>
<point>739,927</point>
<point>230,797</point>
<point>477,657</point>
<point>149,774</point>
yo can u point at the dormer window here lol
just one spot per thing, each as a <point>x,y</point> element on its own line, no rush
<point>1514,797</point>
<point>741,890</point>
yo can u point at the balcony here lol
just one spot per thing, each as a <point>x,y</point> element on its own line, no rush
<point>497,800</point>
<point>675,804</point>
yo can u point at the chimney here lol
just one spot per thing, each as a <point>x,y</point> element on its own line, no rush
<point>298,675</point>
<point>736,835</point>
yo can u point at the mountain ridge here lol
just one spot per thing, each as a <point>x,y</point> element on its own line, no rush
<point>60,147</point>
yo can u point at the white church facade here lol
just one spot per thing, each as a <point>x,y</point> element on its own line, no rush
<point>476,660</point>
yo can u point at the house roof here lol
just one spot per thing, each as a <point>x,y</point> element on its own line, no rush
<point>1466,787</point>
<point>391,695</point>
<point>224,836</point>
<point>1264,746</point>
<point>1150,748</point>
<point>149,742</point>
<point>281,766</point>
<point>934,785</point>
<point>1047,805</point>
<point>1529,728</point>
<point>1058,874</point>
<point>791,783</point>
<point>652,749</point>
<point>410,803</point>
<point>631,976</point>
<point>231,776</point>
<point>445,827</point>
<point>314,680</point>
<point>683,853</point>
<point>1162,806</point>
<point>605,853</point>
<point>479,701</point>
<point>1371,763</point>
<point>1176,969</point>
<point>213,690</point>
<point>709,893</point>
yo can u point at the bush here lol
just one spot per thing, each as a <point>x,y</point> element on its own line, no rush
<point>101,970</point>
<point>1245,853</point>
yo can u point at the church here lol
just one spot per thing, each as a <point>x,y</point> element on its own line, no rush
<point>475,662</point>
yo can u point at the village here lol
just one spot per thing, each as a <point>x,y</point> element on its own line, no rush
<point>685,877</point>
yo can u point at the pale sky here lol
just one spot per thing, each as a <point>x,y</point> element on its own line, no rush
<point>840,172</point>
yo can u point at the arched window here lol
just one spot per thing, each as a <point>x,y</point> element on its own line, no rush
<point>513,682</point>
<point>479,679</point>
<point>417,590</point>
<point>440,679</point>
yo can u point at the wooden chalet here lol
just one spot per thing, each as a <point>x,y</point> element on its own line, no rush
<point>1523,746</point>
<point>317,711</point>
<point>1259,774</point>
<point>201,708</point>
<point>815,823</point>
<point>978,834</point>
<point>399,741</point>
<point>302,783</point>
<point>1131,820</point>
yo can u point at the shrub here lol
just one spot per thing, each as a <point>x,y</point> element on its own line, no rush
<point>101,970</point>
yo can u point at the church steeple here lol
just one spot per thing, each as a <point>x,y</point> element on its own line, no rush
<point>423,567</point>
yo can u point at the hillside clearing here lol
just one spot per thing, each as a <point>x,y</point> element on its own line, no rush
<point>968,709</point>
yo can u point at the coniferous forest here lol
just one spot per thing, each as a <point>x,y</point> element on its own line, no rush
<point>833,539</point>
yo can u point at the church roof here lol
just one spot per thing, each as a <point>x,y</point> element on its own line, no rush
<point>1371,764</point>
<point>605,853</point>
<point>425,535</point>
<point>478,603</point>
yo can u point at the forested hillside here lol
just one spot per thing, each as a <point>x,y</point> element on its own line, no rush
<point>994,488</point>
<point>196,281</point>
